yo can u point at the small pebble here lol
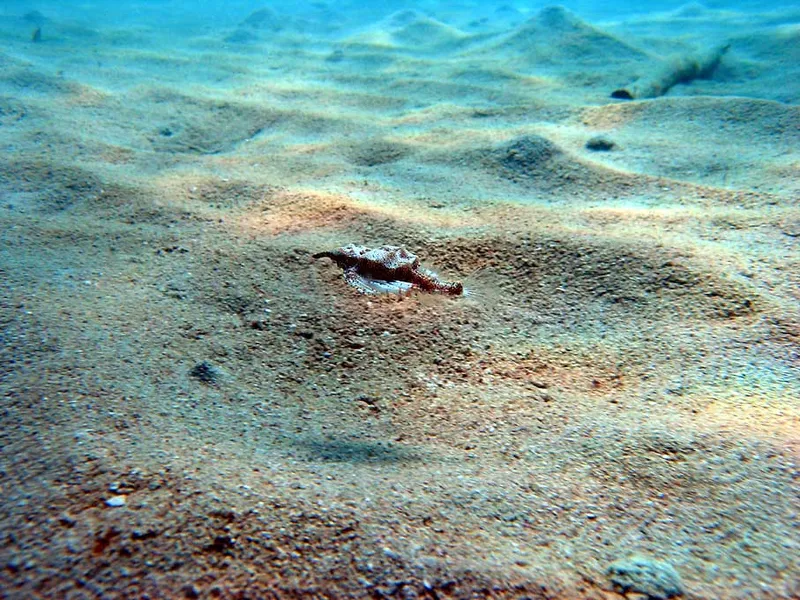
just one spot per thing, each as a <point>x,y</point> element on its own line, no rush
<point>116,501</point>
<point>206,372</point>
<point>600,143</point>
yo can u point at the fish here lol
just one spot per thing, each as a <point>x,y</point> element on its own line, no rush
<point>388,270</point>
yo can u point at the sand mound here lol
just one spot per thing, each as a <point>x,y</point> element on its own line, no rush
<point>49,186</point>
<point>528,155</point>
<point>186,124</point>
<point>743,118</point>
<point>182,124</point>
<point>24,80</point>
<point>749,141</point>
<point>533,161</point>
<point>402,18</point>
<point>424,32</point>
<point>552,273</point>
<point>557,36</point>
<point>412,32</point>
<point>377,152</point>
<point>265,19</point>
<point>268,25</point>
<point>771,57</point>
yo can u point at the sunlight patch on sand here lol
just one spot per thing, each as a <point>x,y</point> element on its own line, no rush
<point>772,418</point>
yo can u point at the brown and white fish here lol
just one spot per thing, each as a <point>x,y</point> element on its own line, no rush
<point>388,270</point>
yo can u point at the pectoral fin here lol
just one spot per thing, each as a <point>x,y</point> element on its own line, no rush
<point>366,285</point>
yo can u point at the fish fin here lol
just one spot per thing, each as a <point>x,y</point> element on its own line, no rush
<point>355,280</point>
<point>398,288</point>
<point>473,294</point>
<point>365,285</point>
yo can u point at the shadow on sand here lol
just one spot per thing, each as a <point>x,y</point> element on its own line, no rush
<point>354,451</point>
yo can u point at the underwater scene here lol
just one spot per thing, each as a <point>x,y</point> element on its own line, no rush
<point>414,299</point>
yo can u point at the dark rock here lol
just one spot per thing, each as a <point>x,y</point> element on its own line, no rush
<point>206,372</point>
<point>222,544</point>
<point>144,534</point>
<point>67,520</point>
<point>600,143</point>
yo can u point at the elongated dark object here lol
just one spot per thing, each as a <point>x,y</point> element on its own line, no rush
<point>681,69</point>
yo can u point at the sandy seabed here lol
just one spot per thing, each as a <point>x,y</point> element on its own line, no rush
<point>193,408</point>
